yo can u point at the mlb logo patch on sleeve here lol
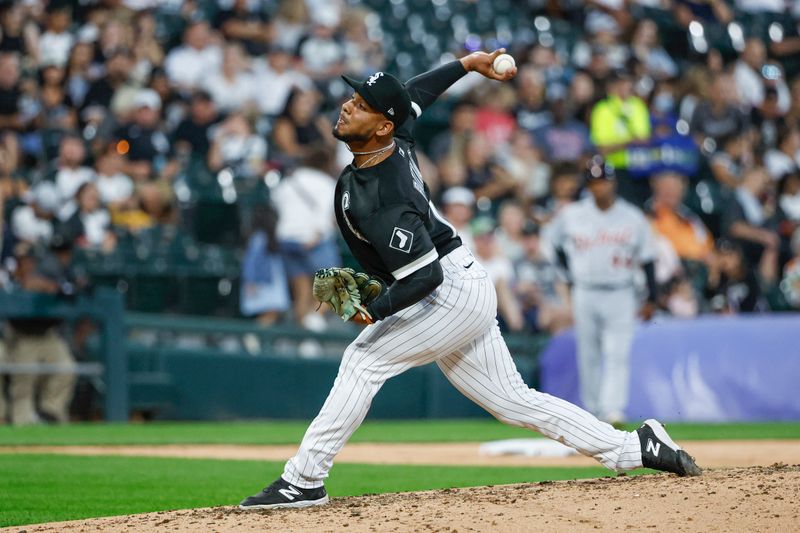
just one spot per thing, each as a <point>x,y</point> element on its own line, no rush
<point>401,240</point>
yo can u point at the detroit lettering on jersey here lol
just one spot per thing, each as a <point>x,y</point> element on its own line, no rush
<point>387,219</point>
<point>604,237</point>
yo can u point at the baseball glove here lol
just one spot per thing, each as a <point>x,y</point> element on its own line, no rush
<point>348,292</point>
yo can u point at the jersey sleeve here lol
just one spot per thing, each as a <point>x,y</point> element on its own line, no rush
<point>398,235</point>
<point>425,88</point>
<point>646,249</point>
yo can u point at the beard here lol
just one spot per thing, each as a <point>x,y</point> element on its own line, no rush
<point>348,138</point>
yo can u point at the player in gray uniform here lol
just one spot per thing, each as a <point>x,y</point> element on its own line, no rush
<point>440,305</point>
<point>602,241</point>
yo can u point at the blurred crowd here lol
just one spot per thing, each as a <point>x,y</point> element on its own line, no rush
<point>173,134</point>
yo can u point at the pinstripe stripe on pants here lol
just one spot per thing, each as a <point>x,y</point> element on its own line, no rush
<point>455,327</point>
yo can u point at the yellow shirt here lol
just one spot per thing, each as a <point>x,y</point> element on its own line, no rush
<point>615,121</point>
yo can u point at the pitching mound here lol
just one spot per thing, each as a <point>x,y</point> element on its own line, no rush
<point>743,499</point>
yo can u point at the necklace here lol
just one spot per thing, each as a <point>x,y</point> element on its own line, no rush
<point>382,149</point>
<point>377,153</point>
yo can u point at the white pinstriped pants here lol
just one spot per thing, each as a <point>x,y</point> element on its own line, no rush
<point>455,327</point>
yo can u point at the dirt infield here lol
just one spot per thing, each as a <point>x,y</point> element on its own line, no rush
<point>742,499</point>
<point>709,454</point>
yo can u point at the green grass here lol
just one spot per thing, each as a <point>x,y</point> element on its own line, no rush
<point>290,432</point>
<point>45,488</point>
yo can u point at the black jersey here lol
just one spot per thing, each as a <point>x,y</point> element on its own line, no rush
<point>387,219</point>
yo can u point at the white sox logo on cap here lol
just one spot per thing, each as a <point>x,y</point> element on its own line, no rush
<point>372,79</point>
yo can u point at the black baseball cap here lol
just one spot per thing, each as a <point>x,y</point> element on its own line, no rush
<point>385,94</point>
<point>598,169</point>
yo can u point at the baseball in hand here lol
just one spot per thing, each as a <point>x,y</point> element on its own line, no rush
<point>503,63</point>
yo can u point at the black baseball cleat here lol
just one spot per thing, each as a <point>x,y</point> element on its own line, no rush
<point>660,452</point>
<point>282,494</point>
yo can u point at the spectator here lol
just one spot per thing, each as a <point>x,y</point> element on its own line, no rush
<point>57,112</point>
<point>732,286</point>
<point>141,139</point>
<point>550,62</point>
<point>565,139</point>
<point>90,226</point>
<point>753,76</point>
<point>524,162</point>
<point>264,288</point>
<point>11,185</point>
<point>793,116</point>
<point>233,88</point>
<point>607,17</point>
<point>114,35</point>
<point>458,208</point>
<point>321,51</point>
<point>783,158</point>
<point>511,221</point>
<point>71,173</point>
<point>501,272</point>
<point>10,92</point>
<point>119,65</point>
<point>238,148</point>
<point>188,64</point>
<point>731,160</point>
<point>147,50</point>
<point>152,207</point>
<point>680,299</point>
<point>193,135</point>
<point>543,296</point>
<point>300,125</point>
<point>564,187</point>
<point>113,185</point>
<point>493,118</point>
<point>647,48</point>
<point>618,122</point>
<point>307,229</point>
<point>767,120</point>
<point>490,182</point>
<point>748,222</point>
<point>79,73</point>
<point>687,234</point>
<point>718,117</point>
<point>582,94</point>
<point>531,112</point>
<point>245,26</point>
<point>33,223</point>
<point>790,283</point>
<point>37,340</point>
<point>16,35</point>
<point>451,141</point>
<point>290,23</point>
<point>364,55</point>
<point>788,212</point>
<point>276,77</point>
<point>56,42</point>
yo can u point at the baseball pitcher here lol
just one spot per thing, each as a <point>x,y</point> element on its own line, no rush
<point>438,304</point>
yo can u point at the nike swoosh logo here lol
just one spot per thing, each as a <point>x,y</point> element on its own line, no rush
<point>469,265</point>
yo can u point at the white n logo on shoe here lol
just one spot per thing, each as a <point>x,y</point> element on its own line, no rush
<point>290,493</point>
<point>653,447</point>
